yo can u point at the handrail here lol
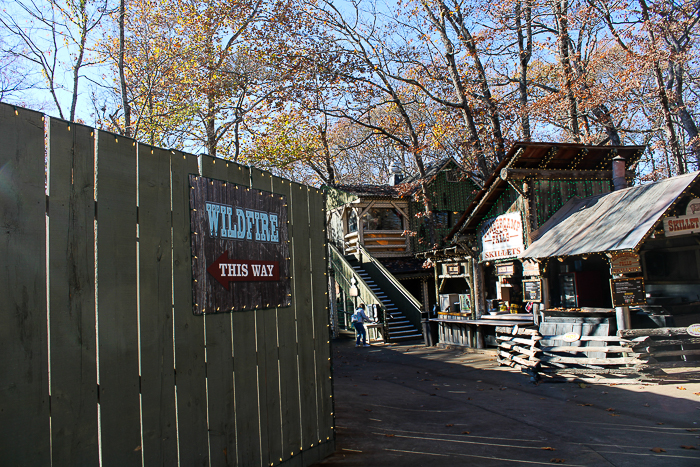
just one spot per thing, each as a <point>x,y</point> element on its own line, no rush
<point>364,291</point>
<point>390,277</point>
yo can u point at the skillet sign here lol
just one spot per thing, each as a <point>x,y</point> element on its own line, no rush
<point>240,249</point>
<point>502,237</point>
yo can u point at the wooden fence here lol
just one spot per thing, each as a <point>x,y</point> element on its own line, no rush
<point>102,360</point>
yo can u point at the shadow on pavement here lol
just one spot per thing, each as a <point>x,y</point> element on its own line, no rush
<point>411,405</point>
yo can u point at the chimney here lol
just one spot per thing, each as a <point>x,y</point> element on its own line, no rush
<point>618,173</point>
<point>395,175</point>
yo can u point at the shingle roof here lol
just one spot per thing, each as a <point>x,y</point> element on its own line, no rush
<point>408,186</point>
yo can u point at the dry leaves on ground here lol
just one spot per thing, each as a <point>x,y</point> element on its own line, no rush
<point>657,450</point>
<point>547,448</point>
<point>557,461</point>
<point>688,447</point>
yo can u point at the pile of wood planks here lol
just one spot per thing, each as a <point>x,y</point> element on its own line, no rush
<point>630,352</point>
<point>662,348</point>
<point>590,354</point>
<point>517,346</point>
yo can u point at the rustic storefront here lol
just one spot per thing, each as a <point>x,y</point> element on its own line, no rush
<point>634,248</point>
<point>528,187</point>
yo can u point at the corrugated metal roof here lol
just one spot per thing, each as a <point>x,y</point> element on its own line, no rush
<point>608,222</point>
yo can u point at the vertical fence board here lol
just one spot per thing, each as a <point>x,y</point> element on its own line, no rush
<point>257,181</point>
<point>190,376</point>
<point>24,396</point>
<point>156,311</point>
<point>116,301</point>
<point>288,368</point>
<point>302,299</point>
<point>219,345</point>
<point>317,216</point>
<point>245,368</point>
<point>244,365</point>
<point>71,263</point>
<point>268,360</point>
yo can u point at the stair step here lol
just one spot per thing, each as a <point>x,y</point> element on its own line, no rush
<point>406,338</point>
<point>401,329</point>
<point>399,335</point>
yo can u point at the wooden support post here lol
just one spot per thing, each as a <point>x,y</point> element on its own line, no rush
<point>479,292</point>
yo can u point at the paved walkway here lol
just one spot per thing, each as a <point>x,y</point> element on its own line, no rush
<point>416,406</point>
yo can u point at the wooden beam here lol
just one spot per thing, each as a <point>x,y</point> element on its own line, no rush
<point>553,174</point>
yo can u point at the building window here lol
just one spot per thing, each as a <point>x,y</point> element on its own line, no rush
<point>672,265</point>
<point>382,219</point>
<point>442,219</point>
<point>352,221</point>
<point>453,175</point>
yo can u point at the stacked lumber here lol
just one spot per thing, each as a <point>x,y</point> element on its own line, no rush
<point>591,354</point>
<point>663,347</point>
<point>517,346</point>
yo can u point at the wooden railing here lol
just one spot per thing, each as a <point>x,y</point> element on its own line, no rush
<point>343,275</point>
<point>377,241</point>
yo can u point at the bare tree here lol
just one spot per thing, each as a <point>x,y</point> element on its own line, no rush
<point>52,33</point>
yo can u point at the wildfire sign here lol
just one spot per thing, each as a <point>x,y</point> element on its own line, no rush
<point>240,250</point>
<point>502,237</point>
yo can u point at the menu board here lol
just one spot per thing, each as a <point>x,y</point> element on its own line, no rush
<point>532,290</point>
<point>628,291</point>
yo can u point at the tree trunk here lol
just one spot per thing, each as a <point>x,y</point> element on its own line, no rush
<point>662,96</point>
<point>524,55</point>
<point>561,11</point>
<point>122,73</point>
<point>473,140</point>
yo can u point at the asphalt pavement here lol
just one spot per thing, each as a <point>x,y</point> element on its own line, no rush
<point>410,405</point>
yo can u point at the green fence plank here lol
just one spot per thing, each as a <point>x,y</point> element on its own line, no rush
<point>155,308</point>
<point>288,368</point>
<point>268,353</point>
<point>71,162</point>
<point>222,418</point>
<point>245,367</point>
<point>116,301</point>
<point>303,301</point>
<point>24,396</point>
<point>319,286</point>
<point>190,377</point>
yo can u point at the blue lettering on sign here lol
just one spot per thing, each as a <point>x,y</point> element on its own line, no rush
<point>237,223</point>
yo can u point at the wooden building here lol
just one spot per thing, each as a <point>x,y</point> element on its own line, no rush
<point>527,188</point>
<point>386,220</point>
<point>637,247</point>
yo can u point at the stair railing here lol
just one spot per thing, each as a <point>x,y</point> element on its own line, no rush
<point>344,273</point>
<point>365,256</point>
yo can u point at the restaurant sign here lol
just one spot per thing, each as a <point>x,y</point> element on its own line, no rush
<point>623,263</point>
<point>682,225</point>
<point>240,250</point>
<point>502,237</point>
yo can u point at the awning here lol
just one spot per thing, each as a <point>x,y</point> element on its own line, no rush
<point>613,221</point>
